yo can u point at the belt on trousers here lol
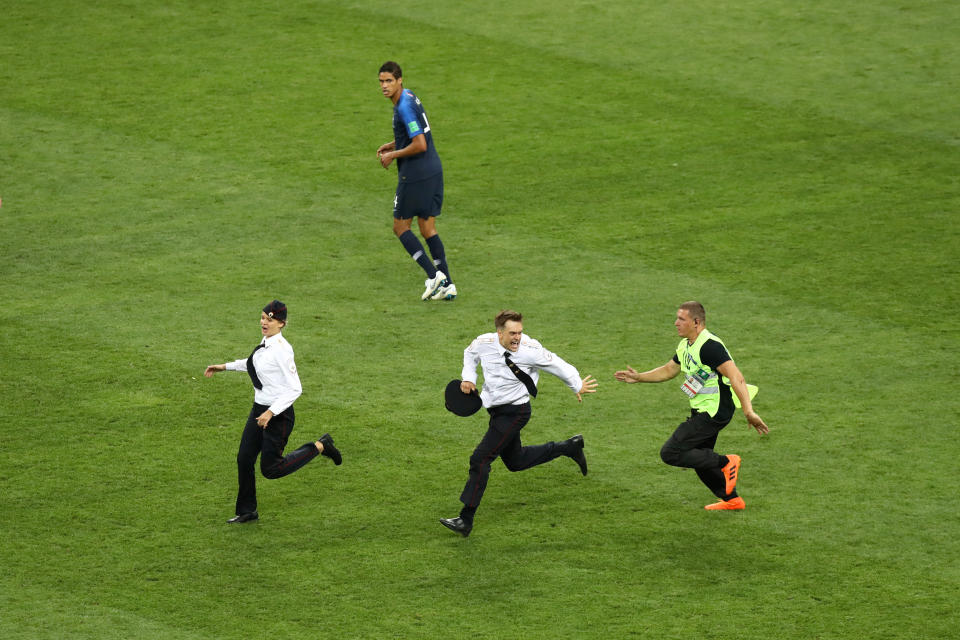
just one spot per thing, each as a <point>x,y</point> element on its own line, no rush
<point>507,408</point>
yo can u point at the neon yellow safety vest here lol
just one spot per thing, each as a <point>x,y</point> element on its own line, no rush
<point>707,399</point>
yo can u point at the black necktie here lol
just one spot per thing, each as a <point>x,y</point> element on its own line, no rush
<point>522,376</point>
<point>252,370</point>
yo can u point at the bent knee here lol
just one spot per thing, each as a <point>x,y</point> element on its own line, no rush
<point>670,455</point>
<point>271,472</point>
<point>511,465</point>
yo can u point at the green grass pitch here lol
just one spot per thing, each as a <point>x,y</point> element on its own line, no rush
<point>167,168</point>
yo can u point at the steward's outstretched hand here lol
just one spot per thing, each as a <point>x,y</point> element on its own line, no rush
<point>630,375</point>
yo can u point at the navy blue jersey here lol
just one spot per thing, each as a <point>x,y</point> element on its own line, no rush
<point>409,121</point>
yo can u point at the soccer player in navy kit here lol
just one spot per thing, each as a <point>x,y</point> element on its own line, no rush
<point>419,184</point>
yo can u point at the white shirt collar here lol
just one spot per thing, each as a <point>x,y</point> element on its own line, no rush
<point>272,339</point>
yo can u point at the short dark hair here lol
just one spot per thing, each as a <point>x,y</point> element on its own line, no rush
<point>695,310</point>
<point>391,67</point>
<point>506,316</point>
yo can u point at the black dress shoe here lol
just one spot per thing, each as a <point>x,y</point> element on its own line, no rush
<point>329,450</point>
<point>244,517</point>
<point>457,524</point>
<point>577,443</point>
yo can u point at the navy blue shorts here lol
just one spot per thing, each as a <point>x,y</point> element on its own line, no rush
<point>422,199</point>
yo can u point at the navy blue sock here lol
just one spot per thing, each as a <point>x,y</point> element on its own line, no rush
<point>439,257</point>
<point>415,249</point>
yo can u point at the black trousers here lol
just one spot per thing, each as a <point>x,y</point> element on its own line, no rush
<point>268,443</point>
<point>691,446</point>
<point>503,439</point>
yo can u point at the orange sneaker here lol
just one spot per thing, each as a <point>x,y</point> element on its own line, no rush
<point>730,472</point>
<point>727,505</point>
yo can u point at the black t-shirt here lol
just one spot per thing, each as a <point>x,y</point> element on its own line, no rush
<point>713,354</point>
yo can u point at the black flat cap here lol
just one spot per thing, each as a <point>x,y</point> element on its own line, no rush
<point>460,403</point>
<point>276,310</point>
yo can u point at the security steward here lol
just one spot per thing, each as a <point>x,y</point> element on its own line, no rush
<point>715,387</point>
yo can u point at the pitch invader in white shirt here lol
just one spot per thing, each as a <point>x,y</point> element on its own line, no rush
<point>511,363</point>
<point>274,376</point>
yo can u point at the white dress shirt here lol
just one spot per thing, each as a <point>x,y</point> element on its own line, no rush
<point>277,373</point>
<point>500,386</point>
